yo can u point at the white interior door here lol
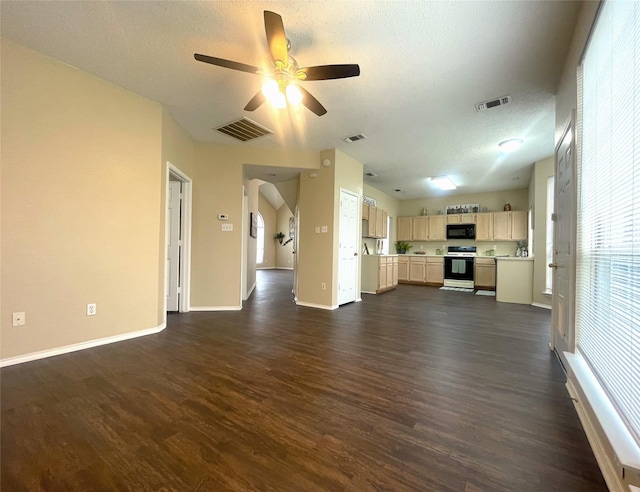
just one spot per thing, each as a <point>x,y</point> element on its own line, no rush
<point>173,245</point>
<point>564,240</point>
<point>348,237</point>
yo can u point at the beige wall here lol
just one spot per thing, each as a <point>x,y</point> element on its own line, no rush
<point>494,202</point>
<point>348,177</point>
<point>216,256</point>
<point>284,252</point>
<point>538,188</point>
<point>81,192</point>
<point>269,216</point>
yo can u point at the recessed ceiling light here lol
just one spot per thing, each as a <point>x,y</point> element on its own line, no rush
<point>510,145</point>
<point>398,190</point>
<point>444,183</point>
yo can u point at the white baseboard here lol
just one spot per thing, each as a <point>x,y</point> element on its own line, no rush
<point>616,452</point>
<point>537,304</point>
<point>317,306</point>
<point>43,354</point>
<point>283,268</point>
<point>215,308</point>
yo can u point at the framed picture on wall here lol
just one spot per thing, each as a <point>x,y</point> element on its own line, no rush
<point>253,222</point>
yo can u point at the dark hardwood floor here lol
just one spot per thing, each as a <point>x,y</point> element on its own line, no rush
<point>414,389</point>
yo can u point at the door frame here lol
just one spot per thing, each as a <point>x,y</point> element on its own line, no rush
<point>185,238</point>
<point>358,232</point>
<point>570,126</point>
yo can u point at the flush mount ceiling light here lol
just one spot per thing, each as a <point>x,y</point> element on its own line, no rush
<point>510,145</point>
<point>444,183</point>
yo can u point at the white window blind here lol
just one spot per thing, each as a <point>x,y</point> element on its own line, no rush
<point>260,240</point>
<point>608,249</point>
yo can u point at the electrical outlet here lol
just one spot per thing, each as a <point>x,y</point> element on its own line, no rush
<point>19,319</point>
<point>324,229</point>
<point>317,229</point>
<point>227,227</point>
<point>91,309</point>
<point>324,286</point>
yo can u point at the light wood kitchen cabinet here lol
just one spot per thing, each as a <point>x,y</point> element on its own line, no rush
<point>380,219</point>
<point>436,228</point>
<point>484,227</point>
<point>371,222</point>
<point>404,229</point>
<point>485,272</point>
<point>384,231</point>
<point>435,270</point>
<point>421,228</point>
<point>378,273</point>
<point>417,269</point>
<point>519,225</point>
<point>365,211</point>
<point>461,218</point>
<point>502,226</point>
<point>403,268</point>
<point>510,226</point>
<point>376,225</point>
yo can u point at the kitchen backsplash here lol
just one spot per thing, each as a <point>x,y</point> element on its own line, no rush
<point>430,247</point>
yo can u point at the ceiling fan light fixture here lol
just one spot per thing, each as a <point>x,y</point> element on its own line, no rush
<point>294,96</point>
<point>444,183</point>
<point>510,145</point>
<point>270,89</point>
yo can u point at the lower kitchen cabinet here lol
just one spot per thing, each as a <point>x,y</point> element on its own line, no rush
<point>417,269</point>
<point>435,270</point>
<point>485,273</point>
<point>379,273</point>
<point>403,268</point>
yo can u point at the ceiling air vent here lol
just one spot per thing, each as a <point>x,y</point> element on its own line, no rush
<point>244,129</point>
<point>501,101</point>
<point>355,138</point>
<point>370,174</point>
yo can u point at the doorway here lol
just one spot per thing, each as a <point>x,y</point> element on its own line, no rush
<point>564,240</point>
<point>348,246</point>
<point>177,240</point>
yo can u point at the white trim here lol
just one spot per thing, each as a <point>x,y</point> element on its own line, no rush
<point>185,237</point>
<point>282,268</point>
<point>317,306</point>
<point>540,305</point>
<point>216,308</point>
<point>251,289</point>
<point>616,451</point>
<point>43,354</point>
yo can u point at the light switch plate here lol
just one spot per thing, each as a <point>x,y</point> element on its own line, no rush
<point>227,227</point>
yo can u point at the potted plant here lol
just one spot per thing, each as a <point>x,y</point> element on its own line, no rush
<point>279,236</point>
<point>403,247</point>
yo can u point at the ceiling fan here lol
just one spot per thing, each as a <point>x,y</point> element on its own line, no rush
<point>282,77</point>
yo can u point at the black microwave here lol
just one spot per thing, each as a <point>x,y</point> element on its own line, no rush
<point>461,231</point>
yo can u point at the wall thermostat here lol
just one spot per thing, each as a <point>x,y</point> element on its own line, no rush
<point>223,217</point>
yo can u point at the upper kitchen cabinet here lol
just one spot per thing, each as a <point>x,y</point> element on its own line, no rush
<point>421,228</point>
<point>404,229</point>
<point>437,228</point>
<point>461,218</point>
<point>484,227</point>
<point>376,222</point>
<point>510,226</point>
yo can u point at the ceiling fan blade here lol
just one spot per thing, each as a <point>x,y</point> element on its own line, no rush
<point>256,102</point>
<point>311,102</point>
<point>326,72</point>
<point>226,63</point>
<point>276,37</point>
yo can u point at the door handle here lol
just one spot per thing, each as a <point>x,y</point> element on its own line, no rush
<point>553,265</point>
<point>355,254</point>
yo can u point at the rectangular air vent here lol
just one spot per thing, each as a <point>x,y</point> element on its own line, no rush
<point>501,101</point>
<point>244,129</point>
<point>355,138</point>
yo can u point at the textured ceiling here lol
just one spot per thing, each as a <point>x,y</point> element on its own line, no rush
<point>424,65</point>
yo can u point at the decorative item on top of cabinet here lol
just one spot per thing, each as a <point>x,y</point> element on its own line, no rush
<point>507,207</point>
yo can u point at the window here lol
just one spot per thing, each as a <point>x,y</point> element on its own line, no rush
<point>608,242</point>
<point>549,224</point>
<point>260,241</point>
